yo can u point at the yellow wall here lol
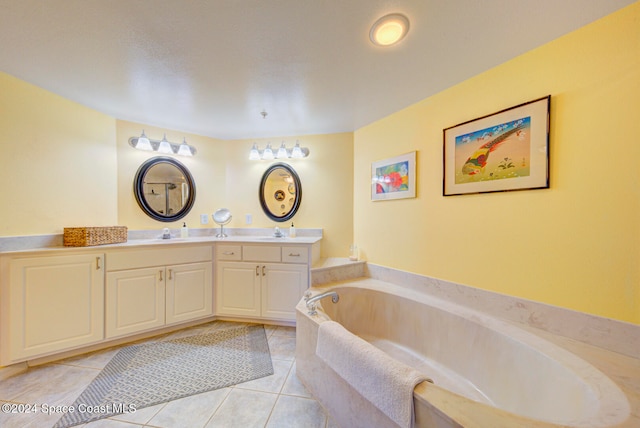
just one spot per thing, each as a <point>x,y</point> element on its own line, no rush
<point>575,245</point>
<point>57,162</point>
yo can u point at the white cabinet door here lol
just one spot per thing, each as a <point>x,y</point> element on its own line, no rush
<point>56,303</point>
<point>135,301</point>
<point>189,293</point>
<point>238,289</point>
<point>282,288</point>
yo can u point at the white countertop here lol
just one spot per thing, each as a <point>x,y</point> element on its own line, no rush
<point>49,243</point>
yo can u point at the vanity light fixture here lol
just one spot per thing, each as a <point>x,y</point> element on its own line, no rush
<point>268,153</point>
<point>143,142</point>
<point>184,149</point>
<point>296,152</point>
<point>162,146</point>
<point>254,154</point>
<point>389,29</point>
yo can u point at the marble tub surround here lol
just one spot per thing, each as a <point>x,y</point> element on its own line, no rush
<point>334,269</point>
<point>607,400</point>
<point>613,335</point>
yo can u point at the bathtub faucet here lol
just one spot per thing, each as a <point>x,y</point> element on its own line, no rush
<point>311,301</point>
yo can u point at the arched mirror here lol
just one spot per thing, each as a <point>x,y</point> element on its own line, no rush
<point>280,192</point>
<point>164,189</point>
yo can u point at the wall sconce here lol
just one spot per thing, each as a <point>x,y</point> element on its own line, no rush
<point>296,152</point>
<point>162,146</point>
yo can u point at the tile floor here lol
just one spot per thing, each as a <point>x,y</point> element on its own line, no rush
<point>275,401</point>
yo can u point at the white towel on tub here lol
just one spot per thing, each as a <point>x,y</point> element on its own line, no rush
<point>387,383</point>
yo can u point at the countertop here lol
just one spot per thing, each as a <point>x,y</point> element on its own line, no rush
<point>51,243</point>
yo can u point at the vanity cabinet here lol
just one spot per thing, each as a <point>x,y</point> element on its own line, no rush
<point>144,291</point>
<point>260,281</point>
<point>54,303</point>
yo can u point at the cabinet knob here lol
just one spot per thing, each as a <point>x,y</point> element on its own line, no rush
<point>257,270</point>
<point>97,263</point>
<point>263,267</point>
<point>228,253</point>
<point>170,274</point>
<point>294,254</point>
<point>160,271</point>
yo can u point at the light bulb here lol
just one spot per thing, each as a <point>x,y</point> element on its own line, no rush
<point>143,142</point>
<point>184,149</point>
<point>254,154</point>
<point>282,152</point>
<point>389,29</point>
<point>268,153</point>
<point>297,151</point>
<point>164,146</point>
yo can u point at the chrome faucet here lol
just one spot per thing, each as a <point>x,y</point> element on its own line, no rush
<point>311,301</point>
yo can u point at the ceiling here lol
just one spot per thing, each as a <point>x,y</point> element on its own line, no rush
<point>210,67</point>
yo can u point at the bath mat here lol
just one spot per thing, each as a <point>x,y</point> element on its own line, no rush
<point>145,375</point>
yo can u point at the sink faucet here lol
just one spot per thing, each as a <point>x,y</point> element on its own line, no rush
<point>311,301</point>
<point>165,233</point>
<point>277,233</point>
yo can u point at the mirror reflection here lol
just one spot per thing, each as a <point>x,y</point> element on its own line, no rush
<point>280,192</point>
<point>164,189</point>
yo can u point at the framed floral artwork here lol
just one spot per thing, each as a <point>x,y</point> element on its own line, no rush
<point>507,150</point>
<point>394,178</point>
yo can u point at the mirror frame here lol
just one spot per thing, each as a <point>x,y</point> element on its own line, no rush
<point>297,200</point>
<point>138,189</point>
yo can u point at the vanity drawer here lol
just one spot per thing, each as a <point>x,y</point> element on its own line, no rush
<point>295,254</point>
<point>229,252</point>
<point>133,259</point>
<point>261,253</point>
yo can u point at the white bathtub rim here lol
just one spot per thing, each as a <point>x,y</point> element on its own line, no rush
<point>611,405</point>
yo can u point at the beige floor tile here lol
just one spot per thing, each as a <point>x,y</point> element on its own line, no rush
<point>293,386</point>
<point>190,412</point>
<point>32,419</point>
<point>272,383</point>
<point>295,412</point>
<point>270,329</point>
<point>51,384</point>
<point>140,416</point>
<point>331,423</point>
<point>94,360</point>
<point>285,331</point>
<point>109,423</point>
<point>282,347</point>
<point>243,409</point>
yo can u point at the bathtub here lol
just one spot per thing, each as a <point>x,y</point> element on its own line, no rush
<point>485,371</point>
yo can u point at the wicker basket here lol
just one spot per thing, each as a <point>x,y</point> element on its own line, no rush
<point>89,236</point>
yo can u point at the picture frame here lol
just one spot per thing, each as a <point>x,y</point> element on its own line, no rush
<point>504,151</point>
<point>394,178</point>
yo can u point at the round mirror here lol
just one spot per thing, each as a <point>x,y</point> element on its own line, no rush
<point>164,189</point>
<point>280,192</point>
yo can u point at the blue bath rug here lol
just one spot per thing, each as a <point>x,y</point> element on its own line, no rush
<point>144,375</point>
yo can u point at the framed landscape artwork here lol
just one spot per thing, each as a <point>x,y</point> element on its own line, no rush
<point>394,178</point>
<point>507,150</point>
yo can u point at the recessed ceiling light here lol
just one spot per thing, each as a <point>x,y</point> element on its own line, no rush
<point>389,29</point>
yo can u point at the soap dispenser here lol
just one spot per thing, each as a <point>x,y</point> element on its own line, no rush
<point>292,231</point>
<point>184,232</point>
